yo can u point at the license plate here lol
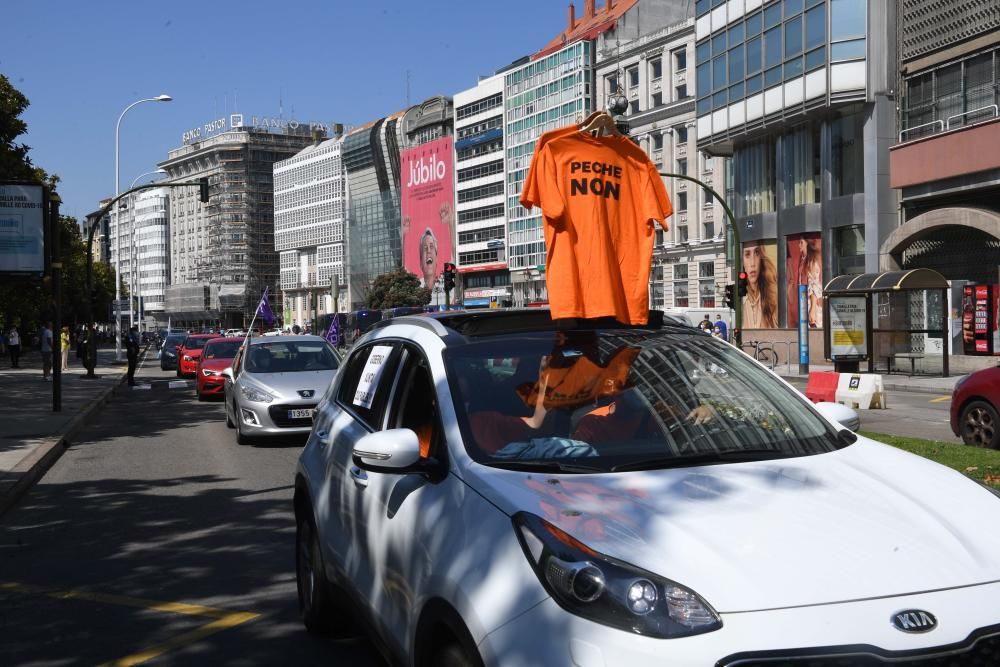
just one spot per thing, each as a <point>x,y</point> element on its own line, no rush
<point>300,414</point>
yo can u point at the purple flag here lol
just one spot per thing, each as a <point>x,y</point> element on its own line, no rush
<point>264,309</point>
<point>333,333</point>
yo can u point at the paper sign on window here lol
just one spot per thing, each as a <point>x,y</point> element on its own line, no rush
<point>370,376</point>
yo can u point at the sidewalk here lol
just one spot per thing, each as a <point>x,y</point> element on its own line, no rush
<point>32,436</point>
<point>897,381</point>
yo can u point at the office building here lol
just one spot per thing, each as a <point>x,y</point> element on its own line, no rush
<point>151,239</point>
<point>102,235</point>
<point>222,253</point>
<point>647,62</point>
<point>309,213</point>
<point>479,195</point>
<point>945,163</point>
<point>801,94</point>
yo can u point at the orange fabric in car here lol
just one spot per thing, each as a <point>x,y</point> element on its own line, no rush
<point>583,381</point>
<point>597,197</point>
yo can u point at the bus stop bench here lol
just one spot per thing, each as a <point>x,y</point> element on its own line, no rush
<point>912,356</point>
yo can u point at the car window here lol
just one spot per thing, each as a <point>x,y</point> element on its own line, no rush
<point>619,398</point>
<point>192,343</point>
<point>291,357</point>
<point>415,404</point>
<point>224,350</point>
<point>173,341</point>
<point>368,376</point>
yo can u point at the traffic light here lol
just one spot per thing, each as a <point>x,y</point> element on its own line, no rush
<point>449,277</point>
<point>203,189</point>
<point>743,284</point>
<point>728,299</point>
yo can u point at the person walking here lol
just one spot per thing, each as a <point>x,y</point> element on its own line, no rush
<point>64,346</point>
<point>46,343</point>
<point>132,352</point>
<point>14,347</point>
<point>721,326</point>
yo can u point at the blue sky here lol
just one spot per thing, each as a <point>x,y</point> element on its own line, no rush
<point>81,63</point>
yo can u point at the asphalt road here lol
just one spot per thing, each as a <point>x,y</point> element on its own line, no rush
<point>157,537</point>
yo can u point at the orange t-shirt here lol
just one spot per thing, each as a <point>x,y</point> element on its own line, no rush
<point>597,197</point>
<point>581,382</point>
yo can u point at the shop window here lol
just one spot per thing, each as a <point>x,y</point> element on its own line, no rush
<point>849,250</point>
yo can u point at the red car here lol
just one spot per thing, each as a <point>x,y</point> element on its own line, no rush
<point>974,413</point>
<point>189,352</point>
<point>216,356</point>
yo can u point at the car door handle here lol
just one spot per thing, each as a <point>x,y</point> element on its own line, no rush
<point>360,477</point>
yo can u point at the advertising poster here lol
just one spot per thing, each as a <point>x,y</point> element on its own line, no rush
<point>428,209</point>
<point>760,305</point>
<point>847,327</point>
<point>22,229</point>
<point>982,319</point>
<point>804,266</point>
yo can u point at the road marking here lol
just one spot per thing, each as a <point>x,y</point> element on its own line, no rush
<point>141,386</point>
<point>179,384</point>
<point>223,619</point>
<point>940,399</point>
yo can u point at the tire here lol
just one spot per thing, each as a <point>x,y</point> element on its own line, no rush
<point>315,602</point>
<point>766,356</point>
<point>201,397</point>
<point>979,425</point>
<point>453,655</point>
<point>229,420</point>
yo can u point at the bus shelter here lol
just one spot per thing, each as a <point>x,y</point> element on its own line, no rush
<point>895,321</point>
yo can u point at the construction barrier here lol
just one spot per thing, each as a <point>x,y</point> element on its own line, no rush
<point>861,391</point>
<point>822,387</point>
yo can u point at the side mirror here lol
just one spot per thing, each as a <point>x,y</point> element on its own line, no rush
<point>395,450</point>
<point>840,414</point>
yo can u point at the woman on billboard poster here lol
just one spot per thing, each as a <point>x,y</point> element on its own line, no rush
<point>805,267</point>
<point>760,305</point>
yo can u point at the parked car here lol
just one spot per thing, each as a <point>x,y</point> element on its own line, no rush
<point>168,351</point>
<point>217,356</point>
<point>189,351</point>
<point>975,416</point>
<point>274,384</point>
<point>485,488</point>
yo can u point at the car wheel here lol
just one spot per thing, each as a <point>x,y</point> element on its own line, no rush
<point>201,396</point>
<point>315,604</point>
<point>979,425</point>
<point>229,420</point>
<point>453,655</point>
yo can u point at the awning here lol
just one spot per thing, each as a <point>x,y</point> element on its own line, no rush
<point>887,281</point>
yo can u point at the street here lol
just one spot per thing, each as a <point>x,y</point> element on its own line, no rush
<point>156,537</point>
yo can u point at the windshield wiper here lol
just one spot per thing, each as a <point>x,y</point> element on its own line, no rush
<point>729,456</point>
<point>546,465</point>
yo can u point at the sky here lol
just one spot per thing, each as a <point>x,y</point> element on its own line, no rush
<point>81,63</point>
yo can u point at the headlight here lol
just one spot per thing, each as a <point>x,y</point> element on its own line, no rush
<point>208,373</point>
<point>188,358</point>
<point>256,395</point>
<point>609,591</point>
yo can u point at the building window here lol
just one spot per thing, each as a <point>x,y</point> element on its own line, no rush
<point>657,100</point>
<point>681,134</point>
<point>612,84</point>
<point>681,91</point>
<point>680,286</point>
<point>847,155</point>
<point>680,60</point>
<point>706,269</point>
<point>708,230</point>
<point>800,175</point>
<point>656,68</point>
<point>847,19</point>
<point>849,250</point>
<point>682,166</point>
<point>682,233</point>
<point>657,141</point>
<point>633,107</point>
<point>633,77</point>
<point>682,201</point>
<point>754,170</point>
<point>706,293</point>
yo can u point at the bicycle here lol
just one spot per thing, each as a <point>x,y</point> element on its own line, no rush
<point>763,351</point>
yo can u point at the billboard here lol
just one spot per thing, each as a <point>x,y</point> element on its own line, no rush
<point>760,305</point>
<point>804,266</point>
<point>22,229</point>
<point>427,203</point>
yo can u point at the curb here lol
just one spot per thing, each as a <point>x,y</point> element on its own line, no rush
<point>34,466</point>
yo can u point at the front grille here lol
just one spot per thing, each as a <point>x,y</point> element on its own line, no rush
<point>279,415</point>
<point>981,649</point>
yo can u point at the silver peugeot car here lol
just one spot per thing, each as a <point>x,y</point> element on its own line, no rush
<point>274,384</point>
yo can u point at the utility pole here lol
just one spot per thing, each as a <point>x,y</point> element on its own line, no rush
<point>55,225</point>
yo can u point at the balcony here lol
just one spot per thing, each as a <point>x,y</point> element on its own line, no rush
<point>948,154</point>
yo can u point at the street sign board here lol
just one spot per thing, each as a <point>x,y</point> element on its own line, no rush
<point>22,229</point>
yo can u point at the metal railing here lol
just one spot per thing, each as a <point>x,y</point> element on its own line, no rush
<point>902,133</point>
<point>945,125</point>
<point>996,112</point>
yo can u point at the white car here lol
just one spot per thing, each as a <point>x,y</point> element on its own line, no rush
<point>491,489</point>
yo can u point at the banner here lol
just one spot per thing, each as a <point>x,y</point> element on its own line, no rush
<point>804,266</point>
<point>760,305</point>
<point>847,327</point>
<point>22,229</point>
<point>427,203</point>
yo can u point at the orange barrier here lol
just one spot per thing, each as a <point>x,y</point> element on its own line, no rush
<point>822,386</point>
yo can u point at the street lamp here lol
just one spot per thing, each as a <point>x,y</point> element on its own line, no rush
<point>136,281</point>
<point>118,235</point>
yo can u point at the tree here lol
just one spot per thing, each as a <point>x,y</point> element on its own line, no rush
<point>14,161</point>
<point>397,288</point>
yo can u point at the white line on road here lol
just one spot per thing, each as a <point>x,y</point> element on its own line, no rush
<point>178,384</point>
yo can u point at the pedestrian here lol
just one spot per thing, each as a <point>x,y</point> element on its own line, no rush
<point>706,325</point>
<point>64,345</point>
<point>132,352</point>
<point>717,333</point>
<point>46,343</point>
<point>14,347</point>
<point>719,324</point>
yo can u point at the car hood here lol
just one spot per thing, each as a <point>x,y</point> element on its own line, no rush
<point>865,521</point>
<point>216,364</point>
<point>288,385</point>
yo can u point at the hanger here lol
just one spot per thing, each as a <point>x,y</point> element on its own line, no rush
<point>601,122</point>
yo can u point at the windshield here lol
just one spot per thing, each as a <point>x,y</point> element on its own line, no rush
<point>223,350</point>
<point>613,400</point>
<point>195,343</point>
<point>291,357</point>
<point>173,341</point>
